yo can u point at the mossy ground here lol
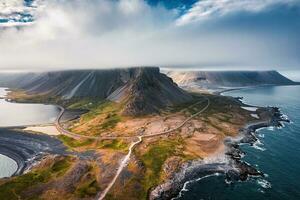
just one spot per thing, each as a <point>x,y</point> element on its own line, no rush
<point>104,116</point>
<point>73,144</point>
<point>115,144</point>
<point>14,189</point>
<point>154,159</point>
<point>89,188</point>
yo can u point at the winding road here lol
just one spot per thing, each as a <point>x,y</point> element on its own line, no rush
<point>126,159</point>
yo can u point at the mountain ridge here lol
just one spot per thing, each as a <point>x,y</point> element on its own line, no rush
<point>229,78</point>
<point>143,90</point>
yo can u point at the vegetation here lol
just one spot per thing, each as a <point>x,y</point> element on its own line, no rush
<point>154,159</point>
<point>103,107</point>
<point>14,189</point>
<point>73,143</point>
<point>102,116</point>
<point>183,106</point>
<point>88,189</point>
<point>116,144</point>
<point>23,97</point>
<point>86,103</point>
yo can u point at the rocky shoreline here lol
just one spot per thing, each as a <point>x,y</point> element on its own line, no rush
<point>26,148</point>
<point>231,165</point>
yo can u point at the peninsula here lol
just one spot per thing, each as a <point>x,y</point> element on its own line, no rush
<point>126,134</point>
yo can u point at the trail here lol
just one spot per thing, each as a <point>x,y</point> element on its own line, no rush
<point>126,159</point>
<point>120,169</point>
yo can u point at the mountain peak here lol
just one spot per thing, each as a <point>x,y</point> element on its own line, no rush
<point>142,90</point>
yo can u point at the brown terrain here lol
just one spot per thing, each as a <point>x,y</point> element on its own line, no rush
<point>94,161</point>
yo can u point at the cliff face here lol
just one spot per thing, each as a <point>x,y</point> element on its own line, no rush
<point>229,78</point>
<point>141,90</point>
<point>149,91</point>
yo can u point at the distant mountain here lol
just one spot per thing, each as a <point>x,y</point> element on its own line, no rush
<point>141,90</point>
<point>210,79</point>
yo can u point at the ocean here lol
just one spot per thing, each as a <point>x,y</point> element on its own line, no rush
<point>18,114</point>
<point>15,114</point>
<point>277,154</point>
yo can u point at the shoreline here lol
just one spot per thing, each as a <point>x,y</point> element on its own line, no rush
<point>27,148</point>
<point>204,168</point>
<point>230,164</point>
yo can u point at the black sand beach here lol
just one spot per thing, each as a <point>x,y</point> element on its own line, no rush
<point>27,148</point>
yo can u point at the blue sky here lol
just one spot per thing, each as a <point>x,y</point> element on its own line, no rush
<point>225,34</point>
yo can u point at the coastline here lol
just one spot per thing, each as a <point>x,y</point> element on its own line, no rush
<point>215,166</point>
<point>26,148</point>
<point>230,164</point>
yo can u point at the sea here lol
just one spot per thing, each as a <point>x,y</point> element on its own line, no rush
<point>20,114</point>
<point>277,154</point>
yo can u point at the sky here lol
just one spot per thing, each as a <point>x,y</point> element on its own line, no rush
<point>206,34</point>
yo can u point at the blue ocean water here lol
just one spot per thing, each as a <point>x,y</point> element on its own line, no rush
<point>278,155</point>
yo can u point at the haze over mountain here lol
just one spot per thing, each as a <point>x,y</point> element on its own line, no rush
<point>57,34</point>
<point>209,79</point>
<point>142,90</point>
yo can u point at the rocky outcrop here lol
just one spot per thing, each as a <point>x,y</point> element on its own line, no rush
<point>231,166</point>
<point>149,91</point>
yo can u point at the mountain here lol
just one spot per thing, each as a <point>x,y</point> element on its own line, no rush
<point>210,79</point>
<point>141,90</point>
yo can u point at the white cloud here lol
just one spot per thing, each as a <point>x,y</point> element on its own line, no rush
<point>204,9</point>
<point>10,6</point>
<point>17,12</point>
<point>105,33</point>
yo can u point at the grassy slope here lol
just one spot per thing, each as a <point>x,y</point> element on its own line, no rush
<point>14,188</point>
<point>104,115</point>
<point>153,160</point>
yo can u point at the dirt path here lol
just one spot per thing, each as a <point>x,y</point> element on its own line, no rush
<point>126,159</point>
<point>123,164</point>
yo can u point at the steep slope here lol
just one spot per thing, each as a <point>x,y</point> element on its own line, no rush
<point>141,90</point>
<point>229,78</point>
<point>148,91</point>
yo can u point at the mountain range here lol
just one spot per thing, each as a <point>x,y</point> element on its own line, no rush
<point>212,79</point>
<point>141,90</point>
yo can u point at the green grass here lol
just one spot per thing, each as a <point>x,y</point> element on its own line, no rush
<point>107,112</point>
<point>73,143</point>
<point>115,144</point>
<point>86,103</point>
<point>14,188</point>
<point>103,107</point>
<point>61,166</point>
<point>88,189</point>
<point>154,160</point>
<point>110,121</point>
<point>180,107</point>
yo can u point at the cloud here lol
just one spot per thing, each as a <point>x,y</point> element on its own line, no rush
<point>204,9</point>
<point>17,12</point>
<point>105,33</point>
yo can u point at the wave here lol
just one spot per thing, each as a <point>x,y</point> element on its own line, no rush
<point>264,183</point>
<point>184,189</point>
<point>258,145</point>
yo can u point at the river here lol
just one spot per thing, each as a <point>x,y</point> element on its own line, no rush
<point>277,154</point>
